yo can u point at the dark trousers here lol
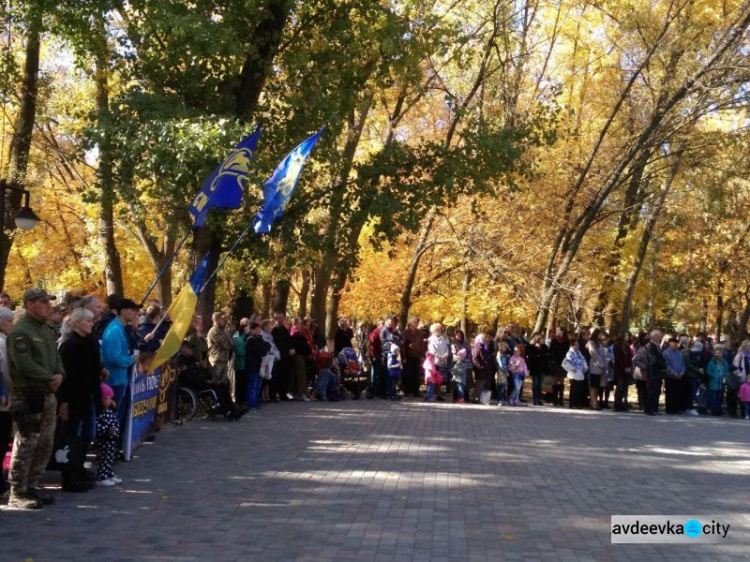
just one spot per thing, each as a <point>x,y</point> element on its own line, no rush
<point>79,432</point>
<point>579,391</point>
<point>732,402</point>
<point>621,392</point>
<point>411,376</point>
<point>689,386</point>
<point>673,395</point>
<point>653,390</point>
<point>536,388</point>
<point>6,427</point>
<point>381,377</point>
<point>240,386</point>
<point>280,379</point>
<point>642,394</point>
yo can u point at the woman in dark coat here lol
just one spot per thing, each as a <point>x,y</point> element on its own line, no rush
<point>623,367</point>
<point>482,364</point>
<point>79,395</point>
<point>537,359</point>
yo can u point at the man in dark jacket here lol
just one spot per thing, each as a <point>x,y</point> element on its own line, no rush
<point>415,347</point>
<point>657,367</point>
<point>256,348</point>
<point>283,340</point>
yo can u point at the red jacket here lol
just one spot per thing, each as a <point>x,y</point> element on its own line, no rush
<point>375,348</point>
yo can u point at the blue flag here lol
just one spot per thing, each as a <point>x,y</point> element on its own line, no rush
<point>225,185</point>
<point>279,188</point>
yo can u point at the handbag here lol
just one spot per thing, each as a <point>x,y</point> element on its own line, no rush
<point>438,379</point>
<point>485,397</point>
<point>639,374</point>
<point>266,367</point>
<point>547,383</point>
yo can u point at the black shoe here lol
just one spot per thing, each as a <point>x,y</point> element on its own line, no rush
<point>85,475</point>
<point>45,499</point>
<point>71,484</point>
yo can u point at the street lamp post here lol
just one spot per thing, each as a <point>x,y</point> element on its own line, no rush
<point>25,218</point>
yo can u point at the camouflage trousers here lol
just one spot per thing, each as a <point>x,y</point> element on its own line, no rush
<point>33,443</point>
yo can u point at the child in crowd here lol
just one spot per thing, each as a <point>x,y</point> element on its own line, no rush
<point>430,373</point>
<point>519,370</point>
<point>107,434</point>
<point>326,384</point>
<point>744,396</point>
<point>717,371</point>
<point>502,360</point>
<point>458,376</point>
<point>394,369</point>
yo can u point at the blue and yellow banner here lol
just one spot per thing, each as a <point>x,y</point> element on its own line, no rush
<point>181,313</point>
<point>279,188</point>
<point>226,184</point>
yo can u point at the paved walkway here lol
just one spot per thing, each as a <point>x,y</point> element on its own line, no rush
<point>374,480</point>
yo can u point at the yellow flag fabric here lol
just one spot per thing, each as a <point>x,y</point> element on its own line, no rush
<point>181,312</point>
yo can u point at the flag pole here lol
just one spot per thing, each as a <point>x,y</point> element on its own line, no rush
<point>226,256</point>
<point>164,269</point>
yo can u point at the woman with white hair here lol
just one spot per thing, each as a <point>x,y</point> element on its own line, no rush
<point>439,345</point>
<point>7,319</point>
<point>79,395</point>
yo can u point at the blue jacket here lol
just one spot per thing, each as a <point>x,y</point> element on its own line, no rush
<point>675,362</point>
<point>116,354</point>
<point>717,372</point>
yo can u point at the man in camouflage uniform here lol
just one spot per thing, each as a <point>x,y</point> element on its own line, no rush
<point>36,371</point>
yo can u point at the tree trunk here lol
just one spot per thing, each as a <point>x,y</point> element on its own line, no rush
<point>264,44</point>
<point>411,274</point>
<point>242,306</point>
<point>205,240</point>
<point>112,265</point>
<point>281,296</point>
<point>266,295</point>
<point>21,142</point>
<point>304,293</point>
<point>321,277</point>
<point>623,228</point>
<point>465,300</point>
<point>742,322</point>
<point>332,312</point>
<point>704,316</point>
<point>648,232</point>
<point>719,322</point>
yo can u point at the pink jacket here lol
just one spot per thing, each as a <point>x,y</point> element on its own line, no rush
<point>518,365</point>
<point>430,369</point>
<point>745,392</point>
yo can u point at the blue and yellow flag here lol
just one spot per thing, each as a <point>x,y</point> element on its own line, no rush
<point>279,187</point>
<point>181,312</point>
<point>226,184</point>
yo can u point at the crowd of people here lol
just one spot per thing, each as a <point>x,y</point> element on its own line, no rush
<point>68,368</point>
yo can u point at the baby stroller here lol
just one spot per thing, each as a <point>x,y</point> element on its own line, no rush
<point>352,377</point>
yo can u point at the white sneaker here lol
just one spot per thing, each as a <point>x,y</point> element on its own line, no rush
<point>116,479</point>
<point>305,398</point>
<point>289,396</point>
<point>107,483</point>
<point>693,413</point>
